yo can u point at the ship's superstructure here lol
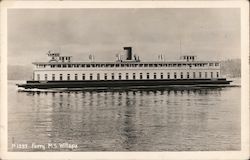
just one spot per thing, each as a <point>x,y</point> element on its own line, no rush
<point>127,69</point>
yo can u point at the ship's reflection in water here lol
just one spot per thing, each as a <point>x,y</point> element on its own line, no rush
<point>135,120</point>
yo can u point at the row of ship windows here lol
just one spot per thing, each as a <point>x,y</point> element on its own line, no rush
<point>125,65</point>
<point>76,77</point>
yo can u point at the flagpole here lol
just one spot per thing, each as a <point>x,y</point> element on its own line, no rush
<point>180,49</point>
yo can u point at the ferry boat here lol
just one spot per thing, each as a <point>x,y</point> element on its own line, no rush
<point>127,71</point>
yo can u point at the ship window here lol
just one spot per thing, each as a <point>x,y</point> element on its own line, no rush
<point>179,65</point>
<point>68,77</point>
<point>155,65</point>
<point>117,65</point>
<point>170,65</point>
<point>199,74</point>
<point>133,75</point>
<point>61,77</point>
<point>38,77</point>
<point>141,76</point>
<point>91,76</point>
<point>59,66</point>
<point>88,65</point>
<point>217,74</point>
<point>175,76</point>
<point>216,64</point>
<point>76,78</point>
<point>66,58</point>
<point>140,65</point>
<point>193,74</point>
<point>174,65</point>
<point>212,74</point>
<point>83,65</point>
<point>211,64</point>
<point>113,76</point>
<point>105,76</point>
<point>168,75</point>
<point>126,75</point>
<point>187,75</point>
<point>205,74</point>
<point>64,66</point>
<point>97,65</point>
<point>69,65</point>
<point>98,76</point>
<point>83,76</point>
<point>181,75</point>
<point>161,75</point>
<point>147,75</point>
<point>154,75</point>
<point>92,65</point>
<point>120,76</point>
<point>45,77</point>
<point>122,65</point>
<point>145,65</point>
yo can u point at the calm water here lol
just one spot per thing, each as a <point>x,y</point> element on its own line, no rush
<point>192,119</point>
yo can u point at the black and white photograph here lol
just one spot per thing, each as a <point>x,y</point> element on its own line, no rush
<point>125,77</point>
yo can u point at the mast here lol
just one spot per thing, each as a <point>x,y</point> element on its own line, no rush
<point>180,49</point>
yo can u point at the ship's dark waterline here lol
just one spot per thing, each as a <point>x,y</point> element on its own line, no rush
<point>183,119</point>
<point>123,83</point>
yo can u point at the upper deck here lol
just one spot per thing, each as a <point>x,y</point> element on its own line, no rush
<point>186,61</point>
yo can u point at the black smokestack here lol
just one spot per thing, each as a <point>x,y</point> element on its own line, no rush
<point>129,52</point>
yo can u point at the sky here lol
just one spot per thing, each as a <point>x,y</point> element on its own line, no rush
<point>210,34</point>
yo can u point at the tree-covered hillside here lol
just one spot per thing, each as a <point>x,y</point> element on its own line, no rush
<point>231,68</point>
<point>16,72</point>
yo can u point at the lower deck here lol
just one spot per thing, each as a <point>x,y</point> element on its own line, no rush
<point>121,83</point>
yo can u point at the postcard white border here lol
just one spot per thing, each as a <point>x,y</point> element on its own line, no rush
<point>243,154</point>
